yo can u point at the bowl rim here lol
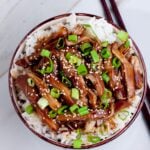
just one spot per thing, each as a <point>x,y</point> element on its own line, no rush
<point>58,143</point>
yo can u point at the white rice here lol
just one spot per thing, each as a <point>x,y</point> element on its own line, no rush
<point>105,32</point>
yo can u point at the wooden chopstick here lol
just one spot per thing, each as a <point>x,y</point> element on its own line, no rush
<point>146,113</point>
<point>145,108</point>
<point>148,94</point>
<point>117,14</point>
<point>107,12</point>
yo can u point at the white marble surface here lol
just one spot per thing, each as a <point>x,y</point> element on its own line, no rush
<point>17,17</point>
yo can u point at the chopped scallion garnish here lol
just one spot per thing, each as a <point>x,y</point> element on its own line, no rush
<point>62,109</point>
<point>73,38</point>
<point>105,77</point>
<point>83,110</point>
<point>45,53</point>
<point>68,55</point>
<point>103,129</point>
<point>116,62</point>
<point>42,71</point>
<point>75,93</point>
<point>87,25</point>
<point>123,114</point>
<point>50,68</point>
<point>78,131</point>
<point>60,43</point>
<point>105,98</point>
<point>29,109</point>
<point>127,44</point>
<point>105,44</point>
<point>95,56</point>
<point>86,48</point>
<point>90,30</point>
<point>30,82</point>
<point>122,35</point>
<point>77,143</point>
<point>82,70</point>
<point>94,139</point>
<point>94,66</point>
<point>65,80</point>
<point>55,93</point>
<point>73,108</point>
<point>52,114</point>
<point>105,53</point>
<point>42,103</point>
<point>73,59</point>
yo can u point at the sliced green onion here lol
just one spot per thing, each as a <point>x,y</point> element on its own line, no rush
<point>45,53</point>
<point>123,114</point>
<point>73,38</point>
<point>86,52</point>
<point>30,82</point>
<point>62,109</point>
<point>78,133</point>
<point>60,43</point>
<point>83,110</point>
<point>127,44</point>
<point>105,103</point>
<point>55,93</point>
<point>103,129</point>
<point>105,53</point>
<point>42,103</point>
<point>65,80</point>
<point>52,114</point>
<point>105,98</point>
<point>50,68</point>
<point>105,44</point>
<point>90,30</point>
<point>86,48</point>
<point>94,139</point>
<point>107,94</point>
<point>95,56</point>
<point>116,62</point>
<point>87,25</point>
<point>105,77</point>
<point>77,143</point>
<point>122,35</point>
<point>42,71</point>
<point>75,93</point>
<point>73,108</point>
<point>94,66</point>
<point>82,70</point>
<point>29,109</point>
<point>68,55</point>
<point>74,60</point>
